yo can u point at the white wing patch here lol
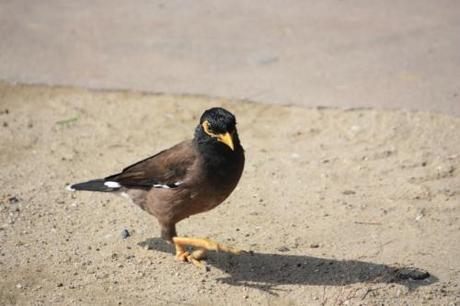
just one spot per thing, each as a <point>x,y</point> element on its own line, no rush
<point>161,186</point>
<point>112,184</point>
<point>168,186</point>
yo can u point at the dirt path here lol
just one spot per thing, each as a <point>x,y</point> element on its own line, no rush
<point>332,204</point>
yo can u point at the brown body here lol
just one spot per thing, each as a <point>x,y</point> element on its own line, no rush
<point>201,189</point>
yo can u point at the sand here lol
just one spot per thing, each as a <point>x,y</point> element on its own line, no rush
<point>334,206</point>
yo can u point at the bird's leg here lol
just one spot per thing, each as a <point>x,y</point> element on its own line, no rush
<point>202,246</point>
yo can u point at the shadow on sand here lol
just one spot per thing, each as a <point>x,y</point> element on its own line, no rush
<point>266,271</point>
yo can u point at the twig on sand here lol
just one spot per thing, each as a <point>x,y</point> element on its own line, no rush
<point>67,121</point>
<point>369,290</point>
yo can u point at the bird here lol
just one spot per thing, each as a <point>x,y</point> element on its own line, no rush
<point>192,177</point>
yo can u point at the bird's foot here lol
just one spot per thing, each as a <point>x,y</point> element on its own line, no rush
<point>195,257</point>
<point>202,245</point>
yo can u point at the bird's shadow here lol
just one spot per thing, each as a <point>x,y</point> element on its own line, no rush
<point>266,271</point>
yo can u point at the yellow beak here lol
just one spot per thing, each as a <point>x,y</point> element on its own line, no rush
<point>227,139</point>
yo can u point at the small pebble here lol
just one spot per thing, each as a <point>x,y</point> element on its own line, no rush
<point>125,234</point>
<point>13,200</point>
<point>314,245</point>
<point>19,286</point>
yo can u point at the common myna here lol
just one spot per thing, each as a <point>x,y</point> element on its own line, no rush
<point>189,178</point>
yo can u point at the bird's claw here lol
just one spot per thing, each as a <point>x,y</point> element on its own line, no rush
<point>187,257</point>
<point>182,256</point>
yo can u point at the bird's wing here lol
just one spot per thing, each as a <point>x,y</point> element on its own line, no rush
<point>166,169</point>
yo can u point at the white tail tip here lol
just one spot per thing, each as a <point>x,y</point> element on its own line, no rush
<point>112,184</point>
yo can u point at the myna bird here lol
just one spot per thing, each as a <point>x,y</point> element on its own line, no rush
<point>191,177</point>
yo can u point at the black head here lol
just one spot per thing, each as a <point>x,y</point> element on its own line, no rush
<point>220,120</point>
<point>217,125</point>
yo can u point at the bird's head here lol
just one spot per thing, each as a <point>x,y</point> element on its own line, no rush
<point>217,125</point>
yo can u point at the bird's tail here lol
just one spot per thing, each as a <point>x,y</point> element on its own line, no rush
<point>96,185</point>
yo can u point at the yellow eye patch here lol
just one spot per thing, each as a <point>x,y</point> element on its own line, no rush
<point>207,129</point>
<point>224,138</point>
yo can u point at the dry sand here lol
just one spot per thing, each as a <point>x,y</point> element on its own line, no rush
<point>333,204</point>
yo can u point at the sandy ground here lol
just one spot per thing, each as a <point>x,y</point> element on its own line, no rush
<point>334,205</point>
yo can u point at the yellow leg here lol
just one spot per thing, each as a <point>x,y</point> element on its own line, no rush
<point>202,245</point>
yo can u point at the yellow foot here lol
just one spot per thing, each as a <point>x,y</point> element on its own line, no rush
<point>202,245</point>
<point>195,259</point>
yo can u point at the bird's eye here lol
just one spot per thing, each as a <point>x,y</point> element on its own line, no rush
<point>207,128</point>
